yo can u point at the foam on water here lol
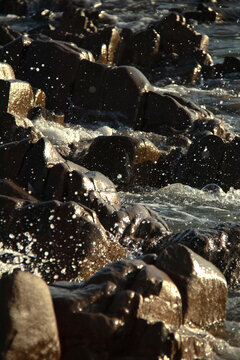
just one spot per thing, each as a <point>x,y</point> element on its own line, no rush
<point>185,207</point>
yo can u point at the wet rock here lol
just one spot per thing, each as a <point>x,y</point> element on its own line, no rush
<point>202,286</point>
<point>6,72</point>
<point>33,329</point>
<point>88,88</point>
<point>139,48</point>
<point>11,158</point>
<point>12,189</point>
<point>16,128</point>
<point>230,162</point>
<point>7,34</point>
<point>147,341</point>
<point>203,161</point>
<point>163,114</point>
<point>120,157</point>
<point>17,7</point>
<point>178,37</point>
<point>66,239</point>
<point>119,83</point>
<point>12,52</point>
<point>17,97</point>
<point>103,44</point>
<point>52,66</point>
<point>219,245</point>
<point>34,169</point>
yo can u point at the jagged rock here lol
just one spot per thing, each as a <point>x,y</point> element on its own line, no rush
<point>17,97</point>
<point>202,286</point>
<point>178,37</point>
<point>103,44</point>
<point>28,323</point>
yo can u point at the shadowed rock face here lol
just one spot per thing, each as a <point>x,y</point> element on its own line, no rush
<point>28,323</point>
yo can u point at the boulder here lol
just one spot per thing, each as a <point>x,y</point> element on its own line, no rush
<point>28,323</point>
<point>52,66</point>
<point>120,157</point>
<point>119,83</point>
<point>229,176</point>
<point>66,240</point>
<point>219,245</point>
<point>17,7</point>
<point>6,72</point>
<point>203,161</point>
<point>202,286</point>
<point>16,128</point>
<point>12,53</point>
<point>12,156</point>
<point>165,115</point>
<point>17,97</point>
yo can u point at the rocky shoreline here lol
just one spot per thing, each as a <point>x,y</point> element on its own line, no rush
<point>81,275</point>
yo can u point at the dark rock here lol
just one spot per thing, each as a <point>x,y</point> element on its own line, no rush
<point>178,37</point>
<point>119,83</point>
<point>28,323</point>
<point>103,44</point>
<point>17,7</point>
<point>137,225</point>
<point>16,128</point>
<point>52,66</point>
<point>34,169</point>
<point>230,162</point>
<point>219,245</point>
<point>163,114</point>
<point>66,239</point>
<point>202,286</point>
<point>11,158</point>
<point>89,85</point>
<point>10,188</point>
<point>203,161</point>
<point>12,53</point>
<point>145,46</point>
<point>7,34</point>
<point>120,157</point>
